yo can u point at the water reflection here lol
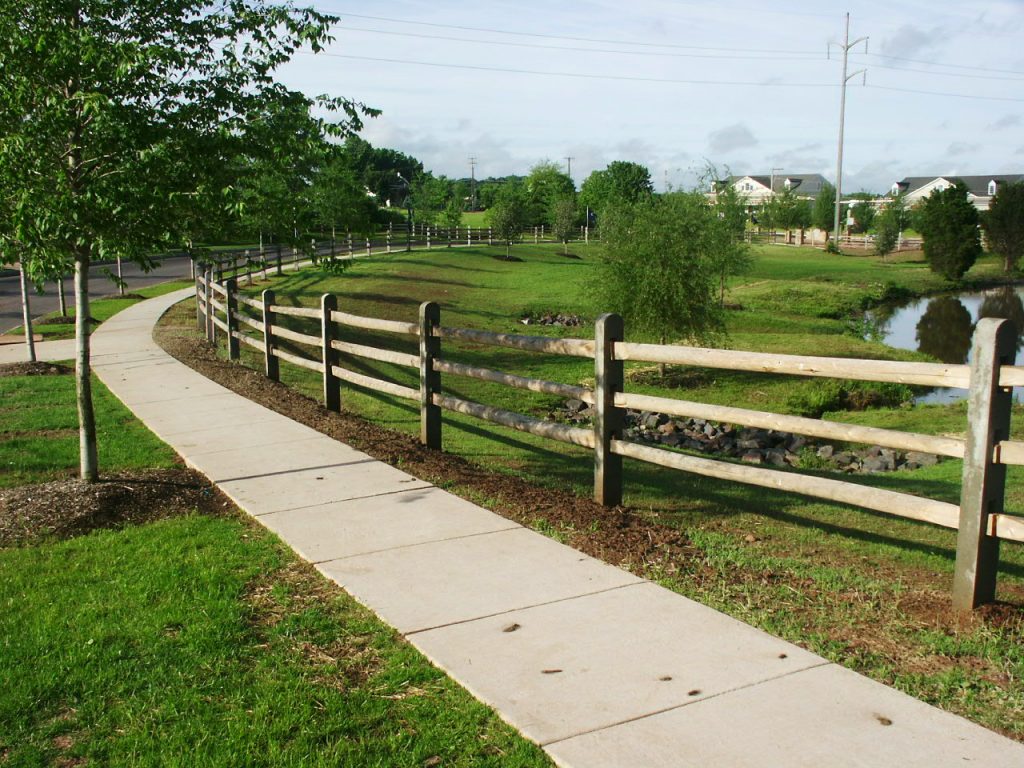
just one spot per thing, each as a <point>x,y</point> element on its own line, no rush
<point>942,326</point>
<point>944,330</point>
<point>1005,303</point>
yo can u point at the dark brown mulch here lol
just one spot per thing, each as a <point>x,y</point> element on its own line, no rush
<point>35,369</point>
<point>65,508</point>
<point>619,536</point>
<point>58,320</point>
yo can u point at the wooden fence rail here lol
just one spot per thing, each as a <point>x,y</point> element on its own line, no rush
<point>986,450</point>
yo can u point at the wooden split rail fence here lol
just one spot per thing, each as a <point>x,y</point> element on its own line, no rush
<point>986,450</point>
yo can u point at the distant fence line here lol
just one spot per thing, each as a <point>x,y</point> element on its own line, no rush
<point>986,450</point>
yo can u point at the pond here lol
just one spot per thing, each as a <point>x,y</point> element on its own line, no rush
<point>941,326</point>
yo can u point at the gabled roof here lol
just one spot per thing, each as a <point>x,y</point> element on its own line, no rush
<point>809,184</point>
<point>976,185</point>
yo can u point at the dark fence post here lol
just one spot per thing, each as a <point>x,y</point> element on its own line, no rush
<point>273,365</point>
<point>280,271</point>
<point>430,380</point>
<point>984,481</point>
<point>332,384</point>
<point>209,307</point>
<point>231,311</point>
<point>608,418</point>
<point>200,319</point>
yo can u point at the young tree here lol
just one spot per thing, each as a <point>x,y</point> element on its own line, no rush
<point>863,216</point>
<point>1004,224</point>
<point>889,225</point>
<point>564,217</point>
<point>824,208</point>
<point>451,215</point>
<point>949,223</point>
<point>662,265</point>
<point>122,124</point>
<point>507,216</point>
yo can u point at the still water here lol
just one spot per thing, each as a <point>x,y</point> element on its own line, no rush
<point>941,326</point>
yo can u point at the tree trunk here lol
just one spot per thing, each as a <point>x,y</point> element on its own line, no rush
<point>88,462</point>
<point>30,344</point>
<point>61,300</point>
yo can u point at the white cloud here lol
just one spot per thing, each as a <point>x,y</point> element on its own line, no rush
<point>1006,121</point>
<point>962,148</point>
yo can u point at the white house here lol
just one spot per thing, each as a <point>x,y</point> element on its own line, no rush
<point>981,189</point>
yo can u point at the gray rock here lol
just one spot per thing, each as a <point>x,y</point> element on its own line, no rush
<point>826,452</point>
<point>922,459</point>
<point>752,457</point>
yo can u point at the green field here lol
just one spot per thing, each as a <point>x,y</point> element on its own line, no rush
<point>805,570</point>
<point>199,640</point>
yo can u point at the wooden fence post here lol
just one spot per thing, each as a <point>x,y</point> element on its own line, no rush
<point>608,418</point>
<point>200,319</point>
<point>208,292</point>
<point>430,380</point>
<point>272,365</point>
<point>984,481</point>
<point>231,306</point>
<point>332,384</point>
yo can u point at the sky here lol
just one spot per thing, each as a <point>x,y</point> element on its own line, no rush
<point>745,86</point>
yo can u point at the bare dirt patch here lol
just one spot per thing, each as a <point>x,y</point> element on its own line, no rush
<point>65,508</point>
<point>35,369</point>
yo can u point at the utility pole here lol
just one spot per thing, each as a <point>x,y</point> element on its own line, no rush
<point>568,161</point>
<point>771,197</point>
<point>472,185</point>
<point>846,46</point>
<point>771,184</point>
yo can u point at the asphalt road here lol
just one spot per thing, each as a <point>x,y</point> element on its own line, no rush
<point>99,285</point>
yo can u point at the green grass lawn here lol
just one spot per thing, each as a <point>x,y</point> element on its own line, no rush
<point>39,431</point>
<point>475,219</point>
<point>812,572</point>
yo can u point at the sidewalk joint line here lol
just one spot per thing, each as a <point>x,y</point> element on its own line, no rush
<point>637,583</point>
<point>823,663</point>
<point>512,527</point>
<point>297,469</point>
<point>336,501</point>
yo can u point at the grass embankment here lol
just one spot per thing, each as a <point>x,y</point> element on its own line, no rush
<point>200,639</point>
<point>54,327</point>
<point>870,591</point>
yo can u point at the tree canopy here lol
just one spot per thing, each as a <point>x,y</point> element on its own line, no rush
<point>622,183</point>
<point>949,224</point>
<point>1004,224</point>
<point>663,264</point>
<point>125,126</point>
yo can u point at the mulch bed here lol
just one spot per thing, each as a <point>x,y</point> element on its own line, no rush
<point>34,369</point>
<point>30,514</point>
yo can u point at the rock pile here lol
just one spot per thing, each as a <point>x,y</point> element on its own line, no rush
<point>552,318</point>
<point>750,445</point>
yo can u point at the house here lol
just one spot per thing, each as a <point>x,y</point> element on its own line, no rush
<point>981,189</point>
<point>756,190</point>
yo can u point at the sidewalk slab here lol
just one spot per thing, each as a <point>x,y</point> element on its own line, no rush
<point>445,582</point>
<point>46,351</point>
<point>826,716</point>
<point>353,475</point>
<point>240,463</point>
<point>580,665</point>
<point>361,526</point>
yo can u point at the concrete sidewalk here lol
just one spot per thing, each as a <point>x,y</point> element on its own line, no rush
<point>598,666</point>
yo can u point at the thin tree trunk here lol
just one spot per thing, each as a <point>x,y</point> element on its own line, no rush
<point>62,300</point>
<point>120,277</point>
<point>88,461</point>
<point>30,344</point>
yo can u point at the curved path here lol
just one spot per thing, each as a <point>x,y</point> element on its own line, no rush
<point>598,666</point>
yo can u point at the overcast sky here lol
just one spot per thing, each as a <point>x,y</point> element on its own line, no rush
<point>673,84</point>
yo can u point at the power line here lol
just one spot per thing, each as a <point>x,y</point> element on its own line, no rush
<point>600,41</point>
<point>944,64</point>
<point>580,75</point>
<point>509,44</point>
<point>942,93</point>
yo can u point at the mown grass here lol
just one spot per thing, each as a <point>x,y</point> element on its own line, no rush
<point>200,641</point>
<point>812,572</point>
<point>99,310</point>
<point>39,431</point>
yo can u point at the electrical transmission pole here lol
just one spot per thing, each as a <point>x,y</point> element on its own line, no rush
<point>568,162</point>
<point>846,46</point>
<point>472,185</point>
